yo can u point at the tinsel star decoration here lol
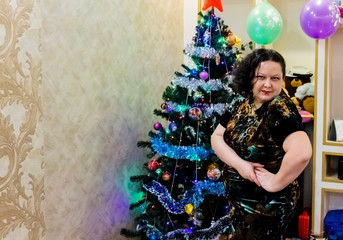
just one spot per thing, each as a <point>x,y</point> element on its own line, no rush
<point>212,3</point>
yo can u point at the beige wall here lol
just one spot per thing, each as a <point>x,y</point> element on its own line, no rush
<point>297,48</point>
<point>79,81</point>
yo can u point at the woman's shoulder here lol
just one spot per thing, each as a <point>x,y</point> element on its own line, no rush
<point>282,104</point>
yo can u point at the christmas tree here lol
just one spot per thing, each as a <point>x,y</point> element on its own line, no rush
<point>183,196</point>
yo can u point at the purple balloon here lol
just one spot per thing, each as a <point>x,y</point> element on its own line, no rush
<point>320,18</point>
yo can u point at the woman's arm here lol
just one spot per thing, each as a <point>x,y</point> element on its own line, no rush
<point>298,150</point>
<point>229,156</point>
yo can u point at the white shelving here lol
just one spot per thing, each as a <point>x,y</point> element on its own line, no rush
<point>327,188</point>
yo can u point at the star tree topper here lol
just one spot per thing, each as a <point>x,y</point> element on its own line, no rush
<point>212,3</point>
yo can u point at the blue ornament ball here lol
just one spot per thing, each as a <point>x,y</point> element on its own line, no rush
<point>194,72</point>
<point>153,237</point>
<point>173,126</point>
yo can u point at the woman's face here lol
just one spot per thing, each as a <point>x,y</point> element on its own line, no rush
<point>267,83</point>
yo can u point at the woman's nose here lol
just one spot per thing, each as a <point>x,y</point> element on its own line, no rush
<point>268,82</point>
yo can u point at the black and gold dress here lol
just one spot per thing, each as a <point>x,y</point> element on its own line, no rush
<point>257,135</point>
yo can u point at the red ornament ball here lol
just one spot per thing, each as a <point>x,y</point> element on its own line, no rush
<point>157,126</point>
<point>153,164</point>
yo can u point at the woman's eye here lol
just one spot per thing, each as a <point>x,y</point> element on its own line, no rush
<point>276,78</point>
<point>260,77</point>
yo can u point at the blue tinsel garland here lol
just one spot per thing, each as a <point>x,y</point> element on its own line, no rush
<point>194,196</point>
<point>179,152</point>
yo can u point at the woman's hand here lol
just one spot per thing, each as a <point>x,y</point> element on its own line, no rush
<point>247,170</point>
<point>229,156</point>
<point>267,180</point>
<point>298,149</point>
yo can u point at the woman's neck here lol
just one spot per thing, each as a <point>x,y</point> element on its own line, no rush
<point>256,104</point>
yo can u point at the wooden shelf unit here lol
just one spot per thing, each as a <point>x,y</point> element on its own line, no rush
<point>327,192</point>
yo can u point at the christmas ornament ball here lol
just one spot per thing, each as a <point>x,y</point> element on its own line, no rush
<point>195,113</point>
<point>158,171</point>
<point>164,106</point>
<point>214,174</point>
<point>203,75</point>
<point>166,176</point>
<point>157,126</point>
<point>173,126</point>
<point>153,164</point>
<point>189,208</point>
<point>153,237</point>
<point>194,72</point>
<point>231,39</point>
<point>213,171</point>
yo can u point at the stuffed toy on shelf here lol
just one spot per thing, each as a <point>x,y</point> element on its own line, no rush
<point>300,89</point>
<point>296,77</point>
<point>304,96</point>
<point>304,99</point>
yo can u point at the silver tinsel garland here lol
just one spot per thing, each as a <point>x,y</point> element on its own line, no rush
<point>206,52</point>
<point>207,109</point>
<point>193,84</point>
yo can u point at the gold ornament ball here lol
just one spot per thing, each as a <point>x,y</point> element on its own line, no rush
<point>231,40</point>
<point>212,166</point>
<point>189,208</point>
<point>166,176</point>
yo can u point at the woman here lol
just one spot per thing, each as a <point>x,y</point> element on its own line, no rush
<point>263,143</point>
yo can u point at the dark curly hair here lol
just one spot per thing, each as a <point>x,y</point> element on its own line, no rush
<point>245,71</point>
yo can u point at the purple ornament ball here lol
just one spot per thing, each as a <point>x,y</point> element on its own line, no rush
<point>157,126</point>
<point>203,75</point>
